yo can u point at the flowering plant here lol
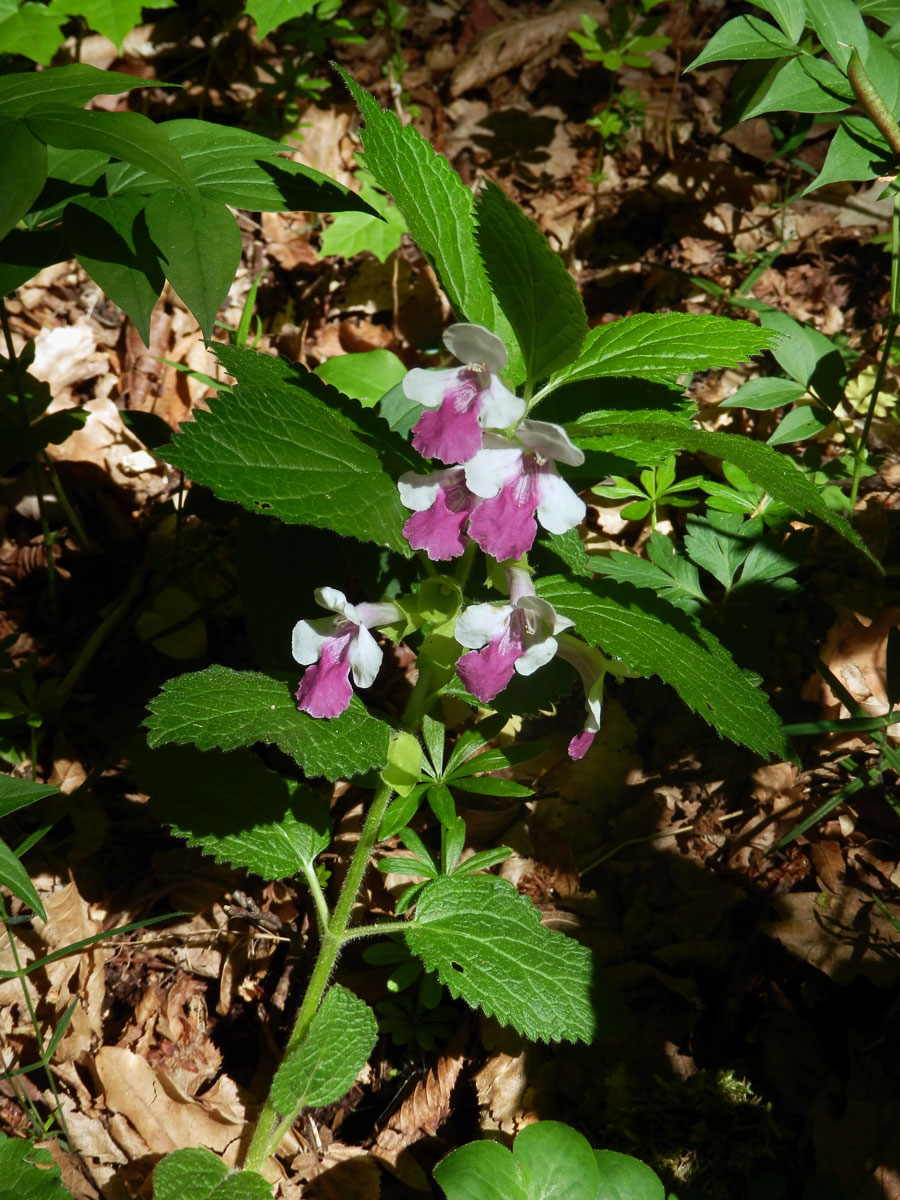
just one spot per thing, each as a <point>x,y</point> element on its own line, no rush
<point>464,519</point>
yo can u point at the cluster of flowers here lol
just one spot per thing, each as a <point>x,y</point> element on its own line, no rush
<point>491,492</point>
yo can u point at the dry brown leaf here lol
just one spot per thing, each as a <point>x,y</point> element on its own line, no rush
<point>513,43</point>
<point>67,355</point>
<point>77,975</point>
<point>341,1173</point>
<point>105,442</point>
<point>856,651</point>
<point>165,1122</point>
<point>501,1085</point>
<point>73,1176</point>
<point>843,935</point>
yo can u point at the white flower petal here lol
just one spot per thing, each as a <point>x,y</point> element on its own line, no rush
<point>594,703</point>
<point>475,344</point>
<point>428,387</point>
<point>552,440</point>
<point>480,624</point>
<point>495,464</point>
<point>419,492</point>
<point>365,658</point>
<point>499,406</point>
<point>308,638</point>
<point>559,508</point>
<point>537,655</point>
<point>337,602</point>
<point>540,612</point>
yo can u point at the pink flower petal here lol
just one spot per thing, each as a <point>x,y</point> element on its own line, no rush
<point>437,531</point>
<point>486,672</point>
<point>504,526</point>
<point>452,434</point>
<point>579,746</point>
<point>325,689</point>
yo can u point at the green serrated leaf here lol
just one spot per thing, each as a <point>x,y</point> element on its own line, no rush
<point>653,638</point>
<point>28,1172</point>
<point>643,574</point>
<point>233,807</point>
<point>200,243</point>
<point>229,709</point>
<point>661,346</point>
<point>30,30</point>
<point>439,212</point>
<point>488,946</point>
<point>196,1174</point>
<point>326,1063</point>
<point>281,444</point>
<point>26,156</point>
<point>244,170</point>
<point>535,291</point>
<point>770,470</point>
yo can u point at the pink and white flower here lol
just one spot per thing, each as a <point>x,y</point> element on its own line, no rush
<point>516,479</point>
<point>467,399</point>
<point>331,648</point>
<point>592,665</point>
<point>518,636</point>
<point>442,505</point>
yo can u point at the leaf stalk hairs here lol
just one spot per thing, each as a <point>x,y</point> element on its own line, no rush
<point>498,482</point>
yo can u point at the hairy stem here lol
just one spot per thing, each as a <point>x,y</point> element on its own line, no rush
<point>272,1125</point>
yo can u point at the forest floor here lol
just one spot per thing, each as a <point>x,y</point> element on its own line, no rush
<point>762,1051</point>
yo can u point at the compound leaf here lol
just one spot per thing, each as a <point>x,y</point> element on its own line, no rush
<point>770,470</point>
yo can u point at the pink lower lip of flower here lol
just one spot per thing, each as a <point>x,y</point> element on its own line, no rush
<point>325,689</point>
<point>443,505</point>
<point>504,526</point>
<point>452,433</point>
<point>439,529</point>
<point>580,744</point>
<point>486,672</point>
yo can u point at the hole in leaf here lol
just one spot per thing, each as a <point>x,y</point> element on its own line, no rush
<point>456,967</point>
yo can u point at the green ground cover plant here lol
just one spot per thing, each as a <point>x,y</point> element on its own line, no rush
<point>457,491</point>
